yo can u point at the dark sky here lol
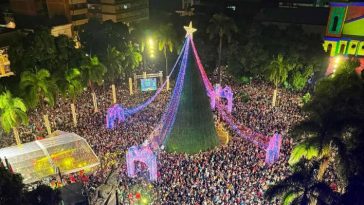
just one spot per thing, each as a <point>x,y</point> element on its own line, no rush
<point>165,4</point>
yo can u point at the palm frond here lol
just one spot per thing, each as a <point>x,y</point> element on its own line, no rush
<point>290,196</point>
<point>303,150</point>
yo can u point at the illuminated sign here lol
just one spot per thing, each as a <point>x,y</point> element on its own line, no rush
<point>149,84</point>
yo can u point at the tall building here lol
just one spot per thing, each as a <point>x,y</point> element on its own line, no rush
<point>203,7</point>
<point>27,7</point>
<point>344,33</point>
<point>119,10</point>
<point>302,3</point>
<point>74,10</point>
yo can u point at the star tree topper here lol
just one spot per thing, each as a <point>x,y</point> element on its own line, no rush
<point>190,30</point>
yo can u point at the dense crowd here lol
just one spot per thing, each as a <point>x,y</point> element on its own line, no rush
<point>230,174</point>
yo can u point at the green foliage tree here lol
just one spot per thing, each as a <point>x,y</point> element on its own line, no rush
<point>114,64</point>
<point>141,34</point>
<point>250,53</point>
<point>94,73</point>
<point>67,57</point>
<point>42,50</point>
<point>98,37</point>
<point>302,188</point>
<point>13,113</point>
<point>334,126</point>
<point>71,87</point>
<point>43,195</point>
<point>11,187</point>
<point>221,26</point>
<point>166,37</point>
<point>278,73</point>
<point>37,49</point>
<point>131,59</point>
<point>13,191</point>
<point>38,86</point>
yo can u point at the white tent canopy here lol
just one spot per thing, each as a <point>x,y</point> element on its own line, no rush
<point>39,159</point>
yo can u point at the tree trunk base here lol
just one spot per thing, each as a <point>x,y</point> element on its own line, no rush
<point>113,90</point>
<point>47,124</point>
<point>74,117</point>
<point>274,99</point>
<point>94,101</point>
<point>16,136</point>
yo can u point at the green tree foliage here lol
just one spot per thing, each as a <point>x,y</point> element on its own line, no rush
<point>42,50</point>
<point>36,49</point>
<point>221,26</point>
<point>114,64</point>
<point>11,187</point>
<point>306,98</point>
<point>12,110</point>
<point>278,73</point>
<point>302,188</point>
<point>72,86</point>
<point>166,38</point>
<point>334,127</point>
<point>131,59</point>
<point>37,87</point>
<point>251,53</point>
<point>67,57</point>
<point>13,191</point>
<point>93,72</point>
<point>98,36</point>
<point>278,70</point>
<point>43,195</point>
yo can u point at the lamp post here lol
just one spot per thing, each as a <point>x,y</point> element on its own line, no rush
<point>11,25</point>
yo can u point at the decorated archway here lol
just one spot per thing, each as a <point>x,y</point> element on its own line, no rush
<point>141,154</point>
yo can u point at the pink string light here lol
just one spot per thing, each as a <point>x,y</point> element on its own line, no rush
<point>256,138</point>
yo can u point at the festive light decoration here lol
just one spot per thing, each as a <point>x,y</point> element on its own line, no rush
<point>159,136</point>
<point>190,30</point>
<point>111,113</point>
<point>256,138</point>
<point>116,112</point>
<point>222,93</point>
<point>142,154</point>
<point>273,149</point>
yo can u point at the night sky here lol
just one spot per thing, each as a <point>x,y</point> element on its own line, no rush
<point>166,4</point>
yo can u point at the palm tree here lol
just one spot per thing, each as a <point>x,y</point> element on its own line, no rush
<point>38,86</point>
<point>94,73</point>
<point>13,113</point>
<point>141,34</point>
<point>335,117</point>
<point>302,188</point>
<point>221,26</point>
<point>278,73</point>
<point>114,64</point>
<point>318,141</point>
<point>72,87</point>
<point>166,36</point>
<point>131,59</point>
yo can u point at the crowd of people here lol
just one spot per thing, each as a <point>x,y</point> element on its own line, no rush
<point>229,174</point>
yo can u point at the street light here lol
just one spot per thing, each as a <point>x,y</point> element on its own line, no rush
<point>151,42</point>
<point>151,47</point>
<point>11,25</point>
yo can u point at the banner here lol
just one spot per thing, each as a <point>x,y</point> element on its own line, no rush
<point>148,84</point>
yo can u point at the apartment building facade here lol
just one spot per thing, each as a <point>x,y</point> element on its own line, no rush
<point>126,11</point>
